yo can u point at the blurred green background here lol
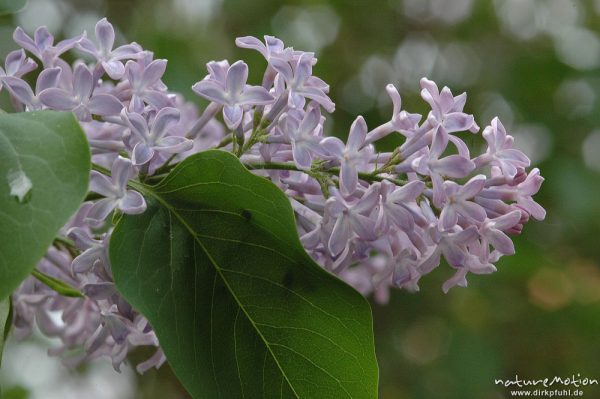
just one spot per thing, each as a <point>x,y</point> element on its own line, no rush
<point>534,63</point>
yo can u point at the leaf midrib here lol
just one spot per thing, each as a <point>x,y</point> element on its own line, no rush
<point>173,211</point>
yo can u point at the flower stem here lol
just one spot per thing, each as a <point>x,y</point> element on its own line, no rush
<point>369,177</point>
<point>57,285</point>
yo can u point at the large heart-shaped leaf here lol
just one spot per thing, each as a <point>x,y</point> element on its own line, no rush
<point>240,309</point>
<point>44,171</point>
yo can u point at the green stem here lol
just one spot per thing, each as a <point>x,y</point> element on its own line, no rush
<point>68,244</point>
<point>57,285</point>
<point>369,177</point>
<point>228,139</point>
<point>165,167</point>
<point>100,169</point>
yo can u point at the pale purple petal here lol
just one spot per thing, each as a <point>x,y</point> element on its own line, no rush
<point>81,237</point>
<point>445,100</point>
<point>533,208</point>
<point>121,171</point>
<point>237,75</point>
<point>253,43</point>
<point>155,361</point>
<point>369,200</point>
<point>465,236</point>
<point>439,143</point>
<point>153,72</point>
<point>58,99</point>
<point>348,178</point>
<point>232,115</point>
<point>83,83</point>
<point>472,187</point>
<point>304,67</point>
<point>458,279</point>
<point>458,122</point>
<point>407,193</point>
<point>142,154</point>
<point>255,95</point>
<point>358,133</point>
<point>88,47</point>
<point>157,99</point>
<point>105,105</point>
<point>319,96</point>
<point>218,71</point>
<point>174,144</point>
<point>165,119</point>
<point>23,40</point>
<point>339,236</point>
<point>87,259</point>
<point>302,156</point>
<point>98,291</point>
<point>454,254</point>
<point>448,217</point>
<point>100,210</point>
<point>114,68</point>
<point>20,89</point>
<point>501,242</point>
<point>333,146</point>
<point>137,124</point>
<point>131,50</point>
<point>212,91</point>
<point>47,78</point>
<point>363,226</point>
<point>507,221</point>
<point>471,210</point>
<point>282,67</point>
<point>454,166</point>
<point>105,34</point>
<point>101,184</point>
<point>132,203</point>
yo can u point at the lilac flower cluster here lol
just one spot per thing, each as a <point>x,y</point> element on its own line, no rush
<point>428,199</point>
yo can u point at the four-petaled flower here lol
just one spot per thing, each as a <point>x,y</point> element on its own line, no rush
<point>300,82</point>
<point>81,98</point>
<point>351,217</point>
<point>454,166</point>
<point>114,190</point>
<point>48,78</point>
<point>42,45</point>
<point>151,137</point>
<point>144,77</point>
<point>16,64</point>
<point>302,136</point>
<point>110,59</point>
<point>352,156</point>
<point>231,91</point>
<point>500,152</point>
<point>457,202</point>
<point>94,253</point>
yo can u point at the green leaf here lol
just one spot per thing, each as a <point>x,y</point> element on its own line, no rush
<point>44,172</point>
<point>5,323</point>
<point>239,307</point>
<point>57,285</point>
<point>11,6</point>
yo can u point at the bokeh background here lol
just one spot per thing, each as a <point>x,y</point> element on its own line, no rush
<point>534,63</point>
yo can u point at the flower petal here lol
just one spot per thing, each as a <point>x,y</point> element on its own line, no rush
<point>105,34</point>
<point>255,95</point>
<point>212,91</point>
<point>237,75</point>
<point>165,119</point>
<point>58,99</point>
<point>100,211</point>
<point>105,105</point>
<point>142,154</point>
<point>132,203</point>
